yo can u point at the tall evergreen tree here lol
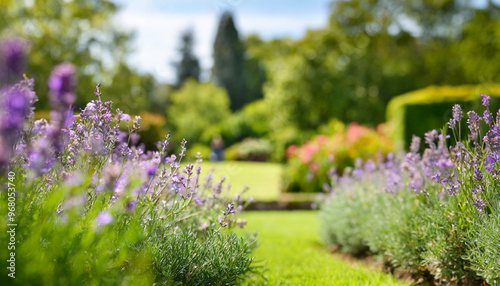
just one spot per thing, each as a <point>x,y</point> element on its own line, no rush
<point>189,65</point>
<point>228,68</point>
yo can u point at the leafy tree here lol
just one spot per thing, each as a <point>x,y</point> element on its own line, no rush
<point>195,108</point>
<point>228,68</point>
<point>80,32</point>
<point>371,51</point>
<point>188,66</point>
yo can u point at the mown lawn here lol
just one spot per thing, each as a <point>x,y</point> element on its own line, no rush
<point>263,179</point>
<point>290,249</point>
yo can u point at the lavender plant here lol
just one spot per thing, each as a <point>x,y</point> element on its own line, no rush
<point>94,207</point>
<point>433,214</point>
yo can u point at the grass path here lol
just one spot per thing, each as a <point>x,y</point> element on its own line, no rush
<point>291,250</point>
<point>263,179</point>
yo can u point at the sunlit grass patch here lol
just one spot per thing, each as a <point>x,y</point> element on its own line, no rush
<point>263,179</point>
<point>291,251</point>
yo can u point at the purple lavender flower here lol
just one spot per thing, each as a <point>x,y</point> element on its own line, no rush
<point>473,122</point>
<point>370,166</point>
<point>430,137</point>
<point>493,138</point>
<point>479,204</point>
<point>415,145</point>
<point>485,100</point>
<point>13,60</point>
<point>416,184</point>
<point>170,159</point>
<point>125,117</point>
<point>478,175</point>
<point>457,112</point>
<point>477,190</point>
<point>456,116</point>
<point>62,83</point>
<point>15,108</point>
<point>230,209</point>
<point>488,119</point>
<point>451,187</point>
<point>199,201</point>
<point>358,173</point>
<point>131,205</point>
<point>104,218</point>
<point>14,111</point>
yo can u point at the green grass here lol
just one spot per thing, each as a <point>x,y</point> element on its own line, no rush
<point>263,179</point>
<point>291,251</point>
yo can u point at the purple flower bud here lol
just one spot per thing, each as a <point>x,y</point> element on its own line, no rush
<point>370,166</point>
<point>131,205</point>
<point>493,138</point>
<point>478,175</point>
<point>485,100</point>
<point>488,119</point>
<point>457,112</point>
<point>473,122</point>
<point>414,146</point>
<point>479,204</point>
<point>12,60</point>
<point>62,83</point>
<point>14,109</point>
<point>430,137</point>
<point>104,218</point>
<point>125,117</point>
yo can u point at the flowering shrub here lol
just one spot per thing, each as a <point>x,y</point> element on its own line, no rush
<point>308,164</point>
<point>86,205</point>
<point>434,214</point>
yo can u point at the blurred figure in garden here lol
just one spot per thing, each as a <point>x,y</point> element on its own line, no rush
<point>217,145</point>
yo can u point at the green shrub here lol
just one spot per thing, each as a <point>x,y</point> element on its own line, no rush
<point>152,129</point>
<point>196,108</point>
<point>251,121</point>
<point>250,149</point>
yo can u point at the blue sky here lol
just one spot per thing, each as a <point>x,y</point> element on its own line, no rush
<point>159,23</point>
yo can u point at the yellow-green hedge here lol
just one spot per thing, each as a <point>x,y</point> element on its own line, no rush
<point>434,106</point>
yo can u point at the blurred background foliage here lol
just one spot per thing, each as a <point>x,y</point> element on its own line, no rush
<point>266,95</point>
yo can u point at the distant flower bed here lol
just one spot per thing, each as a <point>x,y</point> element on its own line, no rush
<point>308,164</point>
<point>435,214</point>
<point>84,204</point>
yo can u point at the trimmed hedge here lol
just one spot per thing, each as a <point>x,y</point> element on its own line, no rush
<point>419,111</point>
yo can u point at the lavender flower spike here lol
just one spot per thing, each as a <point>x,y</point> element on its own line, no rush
<point>62,83</point>
<point>457,112</point>
<point>14,109</point>
<point>12,60</point>
<point>493,138</point>
<point>473,122</point>
<point>485,100</point>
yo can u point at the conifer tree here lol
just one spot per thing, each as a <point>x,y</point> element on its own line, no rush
<point>189,65</point>
<point>228,68</point>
